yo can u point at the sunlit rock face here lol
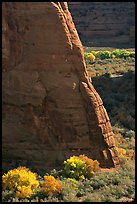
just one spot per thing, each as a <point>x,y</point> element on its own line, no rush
<point>50,107</point>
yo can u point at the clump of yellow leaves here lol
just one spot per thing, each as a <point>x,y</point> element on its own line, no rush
<point>21,181</point>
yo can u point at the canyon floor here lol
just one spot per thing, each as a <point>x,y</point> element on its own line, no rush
<point>114,79</point>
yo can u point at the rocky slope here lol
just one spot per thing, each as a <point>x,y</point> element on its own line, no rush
<point>50,108</point>
<point>105,24</point>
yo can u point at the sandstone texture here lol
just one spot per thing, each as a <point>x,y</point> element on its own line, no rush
<point>50,107</point>
<point>105,24</point>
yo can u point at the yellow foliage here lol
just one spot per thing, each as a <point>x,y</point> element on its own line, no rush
<point>92,57</point>
<point>92,165</point>
<point>75,167</point>
<point>130,154</point>
<point>121,152</point>
<point>23,192</point>
<point>80,167</point>
<point>51,186</point>
<point>119,139</point>
<point>21,181</point>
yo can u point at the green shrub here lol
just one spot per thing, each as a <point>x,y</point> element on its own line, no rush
<point>69,190</point>
<point>84,187</point>
<point>120,53</point>
<point>111,186</point>
<point>129,134</point>
<point>6,195</point>
<point>117,53</point>
<point>80,167</point>
<point>75,168</point>
<point>103,54</point>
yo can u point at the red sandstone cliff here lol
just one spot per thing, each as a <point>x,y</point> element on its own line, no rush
<point>50,108</point>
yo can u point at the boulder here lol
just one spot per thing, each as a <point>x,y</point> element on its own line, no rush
<point>51,110</point>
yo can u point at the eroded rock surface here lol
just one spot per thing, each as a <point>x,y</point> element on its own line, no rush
<point>50,107</point>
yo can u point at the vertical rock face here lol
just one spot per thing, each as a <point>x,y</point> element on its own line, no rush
<point>50,108</point>
<point>105,23</point>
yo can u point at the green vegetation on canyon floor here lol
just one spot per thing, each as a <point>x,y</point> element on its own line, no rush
<point>22,185</point>
<point>114,79</point>
<point>110,61</point>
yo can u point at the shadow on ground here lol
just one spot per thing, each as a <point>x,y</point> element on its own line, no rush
<point>118,95</point>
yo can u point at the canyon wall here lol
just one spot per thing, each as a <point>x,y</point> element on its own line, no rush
<point>105,24</point>
<point>50,107</point>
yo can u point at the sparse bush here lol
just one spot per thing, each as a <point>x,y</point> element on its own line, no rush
<point>74,182</point>
<point>129,134</point>
<point>69,190</point>
<point>84,187</point>
<point>7,195</point>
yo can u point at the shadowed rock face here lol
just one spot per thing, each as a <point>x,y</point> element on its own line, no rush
<point>50,108</point>
<point>105,24</point>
